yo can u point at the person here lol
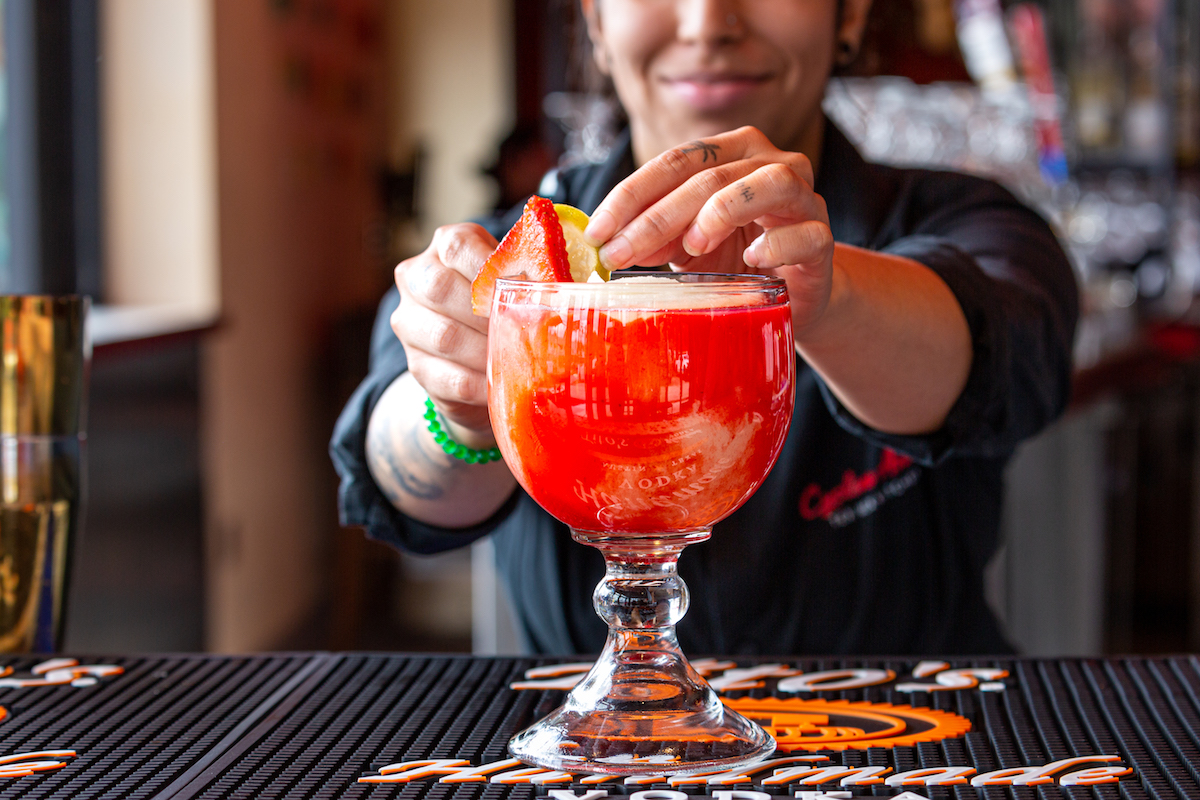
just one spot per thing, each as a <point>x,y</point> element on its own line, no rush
<point>933,316</point>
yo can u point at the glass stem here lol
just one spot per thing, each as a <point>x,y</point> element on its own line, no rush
<point>641,599</point>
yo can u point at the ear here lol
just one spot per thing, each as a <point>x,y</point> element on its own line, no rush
<point>591,14</point>
<point>853,22</point>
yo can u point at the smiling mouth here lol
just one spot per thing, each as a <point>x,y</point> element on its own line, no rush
<point>714,92</point>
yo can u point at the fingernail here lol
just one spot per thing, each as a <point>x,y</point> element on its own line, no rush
<point>600,227</point>
<point>695,242</point>
<point>615,254</point>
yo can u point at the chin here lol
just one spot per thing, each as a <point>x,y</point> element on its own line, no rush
<point>706,126</point>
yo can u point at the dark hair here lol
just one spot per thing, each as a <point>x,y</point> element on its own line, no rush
<point>582,73</point>
<point>583,76</point>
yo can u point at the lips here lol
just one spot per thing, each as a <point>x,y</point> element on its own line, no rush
<point>714,92</point>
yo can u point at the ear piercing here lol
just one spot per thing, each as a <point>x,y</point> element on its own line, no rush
<point>845,52</point>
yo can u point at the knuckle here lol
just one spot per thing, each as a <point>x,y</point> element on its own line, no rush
<point>755,136</point>
<point>771,250</point>
<point>723,206</point>
<point>396,320</point>
<point>816,237</point>
<point>440,235</point>
<point>444,336</point>
<point>451,230</point>
<point>675,160</point>
<point>406,268</point>
<point>452,249</point>
<point>654,224</point>
<point>621,197</point>
<point>801,165</point>
<point>621,193</point>
<point>780,177</point>
<point>416,365</point>
<point>440,284</point>
<point>456,243</point>
<point>711,181</point>
<point>462,385</point>
<point>822,207</point>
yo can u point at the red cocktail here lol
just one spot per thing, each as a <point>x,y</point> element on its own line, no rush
<point>640,412</point>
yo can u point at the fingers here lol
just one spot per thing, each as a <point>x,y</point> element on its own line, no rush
<point>446,344</point>
<point>646,215</point>
<point>657,230</point>
<point>447,358</point>
<point>463,248</point>
<point>808,243</point>
<point>458,391</point>
<point>772,195</point>
<point>440,278</point>
<point>436,334</point>
<point>665,172</point>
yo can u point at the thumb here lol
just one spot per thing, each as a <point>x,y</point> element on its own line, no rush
<point>464,247</point>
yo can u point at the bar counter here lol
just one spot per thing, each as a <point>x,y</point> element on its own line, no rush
<point>434,727</point>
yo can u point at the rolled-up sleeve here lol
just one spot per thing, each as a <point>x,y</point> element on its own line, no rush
<point>360,501</point>
<point>1018,293</point>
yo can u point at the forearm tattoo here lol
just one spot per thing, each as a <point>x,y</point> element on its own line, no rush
<point>395,478</point>
<point>701,146</point>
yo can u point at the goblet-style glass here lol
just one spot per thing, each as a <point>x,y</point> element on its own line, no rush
<point>640,412</point>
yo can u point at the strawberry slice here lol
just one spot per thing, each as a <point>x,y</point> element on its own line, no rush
<point>534,249</point>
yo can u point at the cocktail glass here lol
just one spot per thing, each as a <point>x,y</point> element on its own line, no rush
<point>640,412</point>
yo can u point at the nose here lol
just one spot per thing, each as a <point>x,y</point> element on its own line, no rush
<point>709,21</point>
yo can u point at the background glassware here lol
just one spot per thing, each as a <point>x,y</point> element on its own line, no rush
<point>44,359</point>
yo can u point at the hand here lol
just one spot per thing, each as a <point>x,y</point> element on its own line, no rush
<point>729,203</point>
<point>447,344</point>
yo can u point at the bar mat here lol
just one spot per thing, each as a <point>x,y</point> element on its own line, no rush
<point>313,726</point>
<point>134,724</point>
<point>369,712</point>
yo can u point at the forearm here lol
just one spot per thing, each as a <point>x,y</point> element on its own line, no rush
<point>893,345</point>
<point>417,476</point>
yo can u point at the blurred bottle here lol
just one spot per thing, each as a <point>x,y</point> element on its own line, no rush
<point>1187,84</point>
<point>1029,34</point>
<point>984,44</point>
<point>1095,78</point>
<point>1145,113</point>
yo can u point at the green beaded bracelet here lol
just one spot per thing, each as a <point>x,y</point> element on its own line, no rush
<point>451,447</point>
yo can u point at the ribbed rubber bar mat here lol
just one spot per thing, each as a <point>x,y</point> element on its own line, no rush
<point>312,726</point>
<point>133,732</point>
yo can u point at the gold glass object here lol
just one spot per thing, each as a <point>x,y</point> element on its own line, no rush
<point>43,379</point>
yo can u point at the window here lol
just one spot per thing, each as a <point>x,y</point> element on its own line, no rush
<point>50,225</point>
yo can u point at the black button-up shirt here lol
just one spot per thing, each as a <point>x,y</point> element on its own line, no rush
<point>858,542</point>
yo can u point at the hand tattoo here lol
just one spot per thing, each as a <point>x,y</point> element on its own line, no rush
<point>704,147</point>
<point>746,192</point>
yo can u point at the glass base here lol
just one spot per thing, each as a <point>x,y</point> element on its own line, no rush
<point>634,743</point>
<point>642,709</point>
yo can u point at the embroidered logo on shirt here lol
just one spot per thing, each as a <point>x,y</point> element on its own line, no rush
<point>859,496</point>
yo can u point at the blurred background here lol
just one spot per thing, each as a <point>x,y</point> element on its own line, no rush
<point>233,180</point>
